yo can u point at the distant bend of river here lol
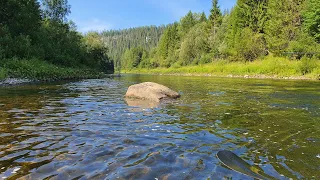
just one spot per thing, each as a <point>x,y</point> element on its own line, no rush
<point>87,129</point>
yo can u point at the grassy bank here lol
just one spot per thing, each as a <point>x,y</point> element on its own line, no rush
<point>269,67</point>
<point>42,71</point>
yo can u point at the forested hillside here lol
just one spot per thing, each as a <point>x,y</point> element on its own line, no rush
<point>36,36</point>
<point>251,31</point>
<point>144,38</point>
<point>286,33</point>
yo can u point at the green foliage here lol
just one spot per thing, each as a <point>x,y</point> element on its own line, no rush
<point>206,58</point>
<point>194,45</point>
<point>167,45</point>
<point>249,45</point>
<point>18,46</point>
<point>283,25</point>
<point>217,38</point>
<point>311,18</point>
<point>252,14</point>
<point>215,18</point>
<point>19,24</point>
<point>245,33</point>
<point>269,66</point>
<point>56,10</point>
<point>20,17</point>
<point>40,70</point>
<point>203,17</point>
<point>133,57</point>
<point>250,31</point>
<point>307,65</point>
<point>65,44</point>
<point>3,73</point>
<point>304,45</point>
<point>97,53</point>
<point>119,41</point>
<point>26,32</point>
<point>186,23</point>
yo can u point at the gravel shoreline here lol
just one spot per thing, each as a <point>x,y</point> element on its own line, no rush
<point>14,81</point>
<point>19,81</point>
<point>258,76</point>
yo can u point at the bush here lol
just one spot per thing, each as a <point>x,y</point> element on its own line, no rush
<point>206,58</point>
<point>14,46</point>
<point>307,65</point>
<point>145,63</point>
<point>40,70</point>
<point>303,46</point>
<point>249,45</point>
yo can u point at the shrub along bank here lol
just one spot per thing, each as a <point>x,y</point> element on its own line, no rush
<point>43,71</point>
<point>268,67</point>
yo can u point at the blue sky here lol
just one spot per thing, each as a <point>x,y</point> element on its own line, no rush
<point>119,14</point>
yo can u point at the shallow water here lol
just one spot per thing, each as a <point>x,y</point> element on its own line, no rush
<point>86,129</point>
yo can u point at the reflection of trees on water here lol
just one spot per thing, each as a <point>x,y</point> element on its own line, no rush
<point>27,116</point>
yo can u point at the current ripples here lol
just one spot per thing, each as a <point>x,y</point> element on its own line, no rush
<point>89,132</point>
<point>86,130</point>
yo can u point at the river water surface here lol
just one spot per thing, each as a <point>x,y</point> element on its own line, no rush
<point>87,130</point>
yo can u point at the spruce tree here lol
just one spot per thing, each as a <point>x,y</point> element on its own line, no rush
<point>215,17</point>
<point>203,17</point>
<point>186,23</point>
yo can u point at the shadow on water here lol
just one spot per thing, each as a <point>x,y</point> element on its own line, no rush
<point>88,130</point>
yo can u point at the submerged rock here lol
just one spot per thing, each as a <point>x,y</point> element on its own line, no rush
<point>142,103</point>
<point>151,91</point>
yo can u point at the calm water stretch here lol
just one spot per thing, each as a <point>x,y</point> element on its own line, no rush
<point>87,130</point>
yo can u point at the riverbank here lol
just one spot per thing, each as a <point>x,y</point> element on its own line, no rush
<point>267,68</point>
<point>25,71</point>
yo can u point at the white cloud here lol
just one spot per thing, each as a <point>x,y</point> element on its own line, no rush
<point>93,25</point>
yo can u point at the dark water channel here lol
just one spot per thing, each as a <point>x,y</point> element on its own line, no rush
<point>86,129</point>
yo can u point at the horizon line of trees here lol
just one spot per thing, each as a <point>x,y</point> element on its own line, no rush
<point>32,29</point>
<point>140,38</point>
<point>249,31</point>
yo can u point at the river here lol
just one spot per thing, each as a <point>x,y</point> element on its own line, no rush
<point>87,129</point>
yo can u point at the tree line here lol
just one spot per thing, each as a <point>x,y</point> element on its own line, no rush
<point>249,31</point>
<point>133,41</point>
<point>32,29</point>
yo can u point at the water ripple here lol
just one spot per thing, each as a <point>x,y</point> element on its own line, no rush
<point>85,130</point>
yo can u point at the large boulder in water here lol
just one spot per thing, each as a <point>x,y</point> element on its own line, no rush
<point>151,91</point>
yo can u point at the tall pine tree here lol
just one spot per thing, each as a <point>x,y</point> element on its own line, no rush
<point>203,17</point>
<point>186,23</point>
<point>215,17</point>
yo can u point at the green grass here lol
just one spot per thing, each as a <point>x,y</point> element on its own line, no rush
<point>3,73</point>
<point>40,70</point>
<point>268,66</point>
